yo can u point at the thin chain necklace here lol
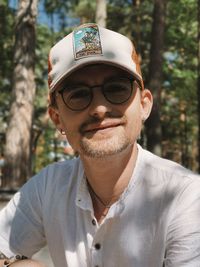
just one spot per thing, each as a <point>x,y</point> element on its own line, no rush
<point>97,197</point>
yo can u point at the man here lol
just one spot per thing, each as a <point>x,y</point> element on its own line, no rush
<point>116,204</point>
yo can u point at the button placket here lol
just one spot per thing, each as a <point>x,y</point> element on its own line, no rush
<point>97,249</point>
<point>97,255</point>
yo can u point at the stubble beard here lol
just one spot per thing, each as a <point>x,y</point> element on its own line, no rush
<point>105,147</point>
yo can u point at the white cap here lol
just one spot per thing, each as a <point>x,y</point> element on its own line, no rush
<point>91,44</point>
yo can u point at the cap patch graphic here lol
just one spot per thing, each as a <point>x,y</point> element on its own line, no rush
<point>87,41</point>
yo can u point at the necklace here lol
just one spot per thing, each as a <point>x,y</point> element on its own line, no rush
<point>97,197</point>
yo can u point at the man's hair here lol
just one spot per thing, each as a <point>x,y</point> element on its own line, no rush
<point>52,100</point>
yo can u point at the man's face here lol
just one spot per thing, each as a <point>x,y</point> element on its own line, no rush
<point>102,129</point>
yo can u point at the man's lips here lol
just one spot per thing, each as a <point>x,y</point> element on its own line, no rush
<point>100,126</point>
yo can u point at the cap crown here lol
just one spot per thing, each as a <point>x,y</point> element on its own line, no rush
<point>91,44</point>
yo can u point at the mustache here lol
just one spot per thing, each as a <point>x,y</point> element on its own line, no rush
<point>96,120</point>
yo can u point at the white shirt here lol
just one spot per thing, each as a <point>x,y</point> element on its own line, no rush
<point>155,223</point>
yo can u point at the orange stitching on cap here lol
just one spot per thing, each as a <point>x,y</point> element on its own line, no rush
<point>136,59</point>
<point>49,69</point>
<point>49,99</point>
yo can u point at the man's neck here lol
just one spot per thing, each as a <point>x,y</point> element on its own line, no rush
<point>109,177</point>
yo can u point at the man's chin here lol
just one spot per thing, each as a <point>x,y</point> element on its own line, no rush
<point>102,149</point>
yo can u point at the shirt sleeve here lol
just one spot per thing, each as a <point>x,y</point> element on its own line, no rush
<point>183,238</point>
<point>21,224</point>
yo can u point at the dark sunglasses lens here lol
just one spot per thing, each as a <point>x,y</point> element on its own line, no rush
<point>118,91</point>
<point>77,98</point>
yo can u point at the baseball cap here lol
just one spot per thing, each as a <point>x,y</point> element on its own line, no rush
<point>91,44</point>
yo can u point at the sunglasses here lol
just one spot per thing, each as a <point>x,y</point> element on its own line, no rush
<point>116,91</point>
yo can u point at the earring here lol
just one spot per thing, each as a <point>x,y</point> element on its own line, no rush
<point>143,120</point>
<point>62,131</point>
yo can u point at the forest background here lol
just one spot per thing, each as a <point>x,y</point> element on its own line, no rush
<point>166,36</point>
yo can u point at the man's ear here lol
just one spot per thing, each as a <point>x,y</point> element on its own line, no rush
<point>147,103</point>
<point>55,117</point>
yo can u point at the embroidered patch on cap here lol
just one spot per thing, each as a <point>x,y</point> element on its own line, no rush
<point>86,41</point>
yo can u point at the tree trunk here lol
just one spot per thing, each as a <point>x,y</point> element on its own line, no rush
<point>18,135</point>
<point>198,85</point>
<point>101,12</point>
<point>154,80</point>
<point>136,18</point>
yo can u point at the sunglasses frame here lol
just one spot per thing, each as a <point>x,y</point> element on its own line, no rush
<point>132,81</point>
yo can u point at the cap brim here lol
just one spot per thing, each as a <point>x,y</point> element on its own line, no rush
<point>93,62</point>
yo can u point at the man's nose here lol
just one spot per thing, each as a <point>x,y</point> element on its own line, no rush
<point>99,105</point>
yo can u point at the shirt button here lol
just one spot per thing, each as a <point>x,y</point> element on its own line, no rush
<point>93,222</point>
<point>97,246</point>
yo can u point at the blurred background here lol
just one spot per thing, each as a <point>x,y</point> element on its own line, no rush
<point>167,39</point>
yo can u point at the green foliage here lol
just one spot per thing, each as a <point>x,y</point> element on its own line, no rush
<point>44,148</point>
<point>181,42</point>
<point>85,9</point>
<point>180,70</point>
<point>53,6</point>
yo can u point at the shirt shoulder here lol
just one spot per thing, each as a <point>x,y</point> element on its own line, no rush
<point>164,169</point>
<point>169,182</point>
<point>57,174</point>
